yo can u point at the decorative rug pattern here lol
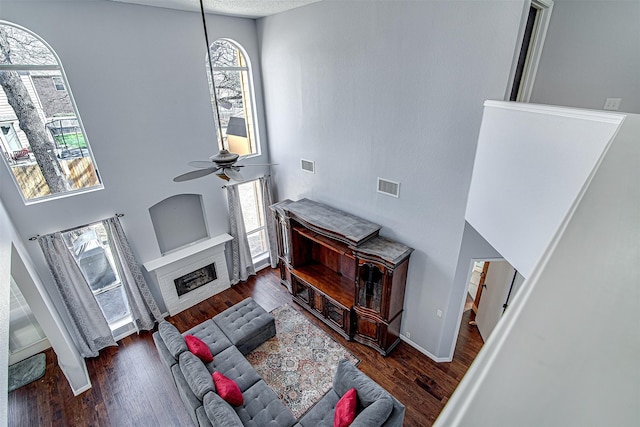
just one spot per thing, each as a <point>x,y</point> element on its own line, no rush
<point>27,371</point>
<point>299,363</point>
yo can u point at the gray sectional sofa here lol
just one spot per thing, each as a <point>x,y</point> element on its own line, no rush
<point>234,333</point>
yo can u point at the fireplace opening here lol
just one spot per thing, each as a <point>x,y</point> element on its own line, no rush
<point>195,279</point>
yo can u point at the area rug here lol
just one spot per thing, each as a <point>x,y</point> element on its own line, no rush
<point>299,363</point>
<point>26,371</point>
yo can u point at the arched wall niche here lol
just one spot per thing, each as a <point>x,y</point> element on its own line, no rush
<point>178,221</point>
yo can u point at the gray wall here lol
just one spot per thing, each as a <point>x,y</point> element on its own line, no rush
<point>389,89</point>
<point>592,52</point>
<point>139,80</point>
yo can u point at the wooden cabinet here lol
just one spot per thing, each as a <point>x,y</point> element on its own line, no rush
<point>337,266</point>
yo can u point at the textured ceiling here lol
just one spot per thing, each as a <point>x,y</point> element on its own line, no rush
<point>243,8</point>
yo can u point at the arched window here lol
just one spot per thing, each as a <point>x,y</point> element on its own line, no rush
<point>234,94</point>
<point>42,139</point>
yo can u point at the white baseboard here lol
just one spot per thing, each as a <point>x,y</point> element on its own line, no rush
<point>425,351</point>
<point>26,352</point>
<point>81,389</point>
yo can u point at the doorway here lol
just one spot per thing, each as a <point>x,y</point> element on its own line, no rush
<point>492,285</point>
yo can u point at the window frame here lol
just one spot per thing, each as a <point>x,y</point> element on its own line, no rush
<point>59,68</point>
<point>249,98</point>
<point>258,197</point>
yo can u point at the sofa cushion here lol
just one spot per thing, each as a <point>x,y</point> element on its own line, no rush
<point>211,335</point>
<point>321,414</point>
<point>233,365</point>
<point>227,389</point>
<point>375,414</point>
<point>246,324</point>
<point>219,412</point>
<point>345,411</point>
<point>196,374</point>
<point>172,338</point>
<point>263,408</point>
<point>198,348</point>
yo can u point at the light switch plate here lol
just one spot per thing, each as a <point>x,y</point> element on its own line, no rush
<point>612,104</point>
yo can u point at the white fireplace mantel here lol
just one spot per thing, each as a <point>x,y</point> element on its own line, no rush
<point>185,260</point>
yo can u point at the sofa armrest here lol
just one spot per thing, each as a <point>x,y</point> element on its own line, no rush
<point>348,376</point>
<point>375,414</point>
<point>369,392</point>
<point>219,412</point>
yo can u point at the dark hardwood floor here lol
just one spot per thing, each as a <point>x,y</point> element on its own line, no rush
<point>131,386</point>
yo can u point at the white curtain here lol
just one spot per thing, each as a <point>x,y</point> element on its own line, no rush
<point>88,326</point>
<point>267,200</point>
<point>144,310</point>
<point>242,264</point>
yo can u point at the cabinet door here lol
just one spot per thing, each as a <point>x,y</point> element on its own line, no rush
<point>370,286</point>
<point>339,316</point>
<point>302,290</point>
<point>366,328</point>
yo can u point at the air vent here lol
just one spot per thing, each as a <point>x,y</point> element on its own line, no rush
<point>390,188</point>
<point>308,166</point>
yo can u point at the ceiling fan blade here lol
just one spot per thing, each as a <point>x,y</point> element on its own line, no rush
<point>259,164</point>
<point>194,174</point>
<point>233,174</point>
<point>201,164</point>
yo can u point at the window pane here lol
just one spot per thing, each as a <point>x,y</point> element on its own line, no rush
<point>224,54</point>
<point>257,243</point>
<point>251,205</point>
<point>113,304</point>
<point>26,49</point>
<point>47,151</point>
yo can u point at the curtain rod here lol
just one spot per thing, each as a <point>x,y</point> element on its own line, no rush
<point>246,180</point>
<point>33,238</point>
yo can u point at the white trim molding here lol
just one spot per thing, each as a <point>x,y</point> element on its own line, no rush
<point>570,112</point>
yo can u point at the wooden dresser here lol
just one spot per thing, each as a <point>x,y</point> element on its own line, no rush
<point>337,266</point>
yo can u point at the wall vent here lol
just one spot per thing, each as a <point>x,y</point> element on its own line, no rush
<point>308,166</point>
<point>390,188</point>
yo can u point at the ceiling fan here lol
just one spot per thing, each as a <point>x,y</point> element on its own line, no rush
<point>223,164</point>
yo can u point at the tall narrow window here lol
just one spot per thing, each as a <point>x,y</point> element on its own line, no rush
<point>91,249</point>
<point>43,143</point>
<point>233,102</point>
<point>254,219</point>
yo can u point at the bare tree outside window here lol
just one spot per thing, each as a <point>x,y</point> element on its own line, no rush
<point>234,95</point>
<point>38,166</point>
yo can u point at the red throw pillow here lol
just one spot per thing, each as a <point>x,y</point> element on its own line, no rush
<point>228,389</point>
<point>199,348</point>
<point>346,409</point>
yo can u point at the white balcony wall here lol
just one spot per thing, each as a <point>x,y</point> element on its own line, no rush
<point>531,163</point>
